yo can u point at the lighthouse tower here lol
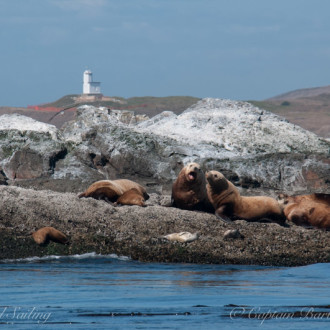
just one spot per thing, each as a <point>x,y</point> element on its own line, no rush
<point>90,86</point>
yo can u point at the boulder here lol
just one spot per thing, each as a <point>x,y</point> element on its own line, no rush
<point>252,147</point>
<point>29,149</point>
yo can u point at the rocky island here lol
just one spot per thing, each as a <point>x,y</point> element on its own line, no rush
<point>42,170</point>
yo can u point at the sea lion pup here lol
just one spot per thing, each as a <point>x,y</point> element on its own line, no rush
<point>182,237</point>
<point>228,202</point>
<point>189,190</point>
<point>131,197</point>
<point>111,190</point>
<point>46,234</point>
<point>307,210</point>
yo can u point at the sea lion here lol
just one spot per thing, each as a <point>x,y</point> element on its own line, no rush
<point>182,237</point>
<point>46,234</point>
<point>131,197</point>
<point>315,197</point>
<point>189,190</point>
<point>228,202</point>
<point>307,210</point>
<point>111,190</point>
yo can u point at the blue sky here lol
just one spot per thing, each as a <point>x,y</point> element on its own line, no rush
<point>237,49</point>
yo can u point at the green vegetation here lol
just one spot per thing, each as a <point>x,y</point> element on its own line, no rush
<point>148,105</point>
<point>276,108</point>
<point>62,102</point>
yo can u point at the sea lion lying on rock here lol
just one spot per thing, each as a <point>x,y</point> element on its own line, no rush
<point>307,210</point>
<point>111,190</point>
<point>229,204</point>
<point>189,190</point>
<point>46,234</point>
<point>131,197</point>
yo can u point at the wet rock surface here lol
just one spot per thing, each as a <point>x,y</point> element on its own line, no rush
<point>137,232</point>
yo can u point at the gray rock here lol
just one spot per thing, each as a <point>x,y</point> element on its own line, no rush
<point>96,226</point>
<point>28,148</point>
<point>252,147</point>
<point>232,233</point>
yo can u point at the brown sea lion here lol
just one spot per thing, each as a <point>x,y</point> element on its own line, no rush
<point>111,190</point>
<point>189,190</point>
<point>228,202</point>
<point>315,197</point>
<point>46,234</point>
<point>131,197</point>
<point>307,210</point>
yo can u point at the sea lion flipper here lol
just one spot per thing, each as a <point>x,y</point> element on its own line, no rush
<point>222,217</point>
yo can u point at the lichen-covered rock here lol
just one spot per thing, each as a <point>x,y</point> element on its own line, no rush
<point>113,148</point>
<point>28,148</point>
<point>252,147</point>
<point>248,143</point>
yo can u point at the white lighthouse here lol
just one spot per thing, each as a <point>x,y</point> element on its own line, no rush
<point>90,86</point>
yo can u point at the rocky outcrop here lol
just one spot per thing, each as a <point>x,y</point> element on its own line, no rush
<point>29,149</point>
<point>96,226</point>
<point>138,232</point>
<point>252,147</point>
<point>249,144</point>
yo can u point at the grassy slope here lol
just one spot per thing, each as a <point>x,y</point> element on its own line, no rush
<point>148,104</point>
<point>311,113</point>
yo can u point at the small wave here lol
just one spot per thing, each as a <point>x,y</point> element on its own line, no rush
<point>84,256</point>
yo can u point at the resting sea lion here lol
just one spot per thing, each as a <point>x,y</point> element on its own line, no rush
<point>189,190</point>
<point>131,197</point>
<point>307,210</point>
<point>315,197</point>
<point>228,202</point>
<point>111,190</point>
<point>46,234</point>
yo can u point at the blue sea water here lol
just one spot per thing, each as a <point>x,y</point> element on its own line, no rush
<point>110,292</point>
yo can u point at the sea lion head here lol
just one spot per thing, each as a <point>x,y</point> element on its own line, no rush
<point>217,181</point>
<point>192,172</point>
<point>299,217</point>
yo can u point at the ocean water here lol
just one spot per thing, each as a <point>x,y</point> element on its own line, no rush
<point>110,292</point>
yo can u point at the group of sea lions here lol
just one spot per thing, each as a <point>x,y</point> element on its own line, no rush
<point>194,190</point>
<point>213,193</point>
<point>122,191</point>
